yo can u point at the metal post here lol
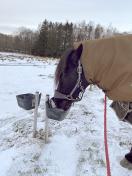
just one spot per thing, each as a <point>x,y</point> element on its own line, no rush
<point>35,114</point>
<point>90,87</point>
<point>46,123</point>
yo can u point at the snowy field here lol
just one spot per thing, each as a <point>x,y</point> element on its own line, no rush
<point>76,146</point>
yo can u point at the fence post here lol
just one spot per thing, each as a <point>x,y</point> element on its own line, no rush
<point>90,87</point>
<point>35,114</point>
<point>46,122</point>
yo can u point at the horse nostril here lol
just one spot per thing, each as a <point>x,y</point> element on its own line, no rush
<point>61,104</point>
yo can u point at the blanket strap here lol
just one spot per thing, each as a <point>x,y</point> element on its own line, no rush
<point>105,138</point>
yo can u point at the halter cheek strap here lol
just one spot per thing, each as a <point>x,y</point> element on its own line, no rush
<point>78,84</point>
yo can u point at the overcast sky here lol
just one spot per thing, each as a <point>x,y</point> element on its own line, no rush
<point>30,13</point>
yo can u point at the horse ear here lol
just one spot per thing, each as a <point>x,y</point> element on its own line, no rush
<point>74,55</point>
<point>79,51</point>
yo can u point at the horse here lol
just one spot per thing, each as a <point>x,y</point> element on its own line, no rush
<point>106,63</point>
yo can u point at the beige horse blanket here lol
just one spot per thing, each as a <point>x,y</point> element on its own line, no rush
<point>108,64</point>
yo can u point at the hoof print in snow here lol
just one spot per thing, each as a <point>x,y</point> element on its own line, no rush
<point>41,134</point>
<point>23,127</point>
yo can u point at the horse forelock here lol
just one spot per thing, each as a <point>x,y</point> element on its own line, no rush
<point>62,65</point>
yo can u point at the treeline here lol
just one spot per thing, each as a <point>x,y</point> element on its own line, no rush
<point>22,42</point>
<point>52,39</point>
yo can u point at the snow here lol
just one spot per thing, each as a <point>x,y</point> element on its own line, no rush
<point>76,146</point>
<point>62,150</point>
<point>6,157</point>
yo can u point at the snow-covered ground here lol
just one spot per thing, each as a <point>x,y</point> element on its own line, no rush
<point>76,146</point>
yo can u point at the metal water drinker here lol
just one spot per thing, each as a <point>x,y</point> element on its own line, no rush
<point>53,112</point>
<point>27,101</point>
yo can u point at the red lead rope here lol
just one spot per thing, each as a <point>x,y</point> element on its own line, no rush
<point>105,138</point>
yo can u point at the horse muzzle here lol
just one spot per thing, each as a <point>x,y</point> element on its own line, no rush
<point>53,112</point>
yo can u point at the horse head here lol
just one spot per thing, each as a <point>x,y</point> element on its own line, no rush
<point>70,80</point>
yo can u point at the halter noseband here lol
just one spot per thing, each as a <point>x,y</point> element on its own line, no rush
<point>78,84</point>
